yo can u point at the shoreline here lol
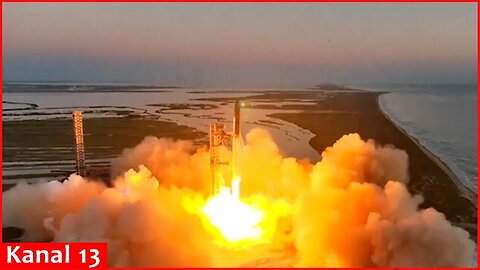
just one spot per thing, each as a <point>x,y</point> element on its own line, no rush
<point>467,192</point>
<point>359,112</point>
<point>327,115</point>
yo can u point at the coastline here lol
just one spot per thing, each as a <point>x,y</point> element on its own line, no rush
<point>326,114</point>
<point>467,192</point>
<point>330,114</point>
<point>339,113</point>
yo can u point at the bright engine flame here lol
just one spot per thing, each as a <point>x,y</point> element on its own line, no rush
<point>232,220</point>
<point>236,220</point>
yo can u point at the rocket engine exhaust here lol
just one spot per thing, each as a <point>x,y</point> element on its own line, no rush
<point>167,208</point>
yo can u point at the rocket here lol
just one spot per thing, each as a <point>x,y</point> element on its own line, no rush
<point>217,138</point>
<point>236,119</point>
<point>236,138</point>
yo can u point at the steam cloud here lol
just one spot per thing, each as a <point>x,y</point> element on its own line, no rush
<point>351,209</point>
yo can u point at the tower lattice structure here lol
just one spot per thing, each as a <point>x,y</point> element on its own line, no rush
<point>218,138</point>
<point>79,145</point>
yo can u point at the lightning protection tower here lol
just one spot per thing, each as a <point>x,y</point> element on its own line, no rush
<point>79,146</point>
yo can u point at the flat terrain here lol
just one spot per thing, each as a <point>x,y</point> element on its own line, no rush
<point>359,112</point>
<point>46,146</point>
<point>331,114</point>
<point>40,144</point>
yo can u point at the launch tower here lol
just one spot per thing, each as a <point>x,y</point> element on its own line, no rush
<point>218,138</point>
<point>79,146</point>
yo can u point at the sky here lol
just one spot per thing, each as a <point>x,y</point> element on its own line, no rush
<point>240,44</point>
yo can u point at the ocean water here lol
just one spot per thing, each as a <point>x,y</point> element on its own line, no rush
<point>443,118</point>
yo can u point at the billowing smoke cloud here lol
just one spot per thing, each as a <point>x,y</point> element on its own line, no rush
<point>173,163</point>
<point>351,209</point>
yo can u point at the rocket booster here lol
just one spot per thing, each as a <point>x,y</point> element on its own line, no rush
<point>235,139</point>
<point>236,119</point>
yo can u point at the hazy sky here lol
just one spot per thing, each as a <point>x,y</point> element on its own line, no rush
<point>254,44</point>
